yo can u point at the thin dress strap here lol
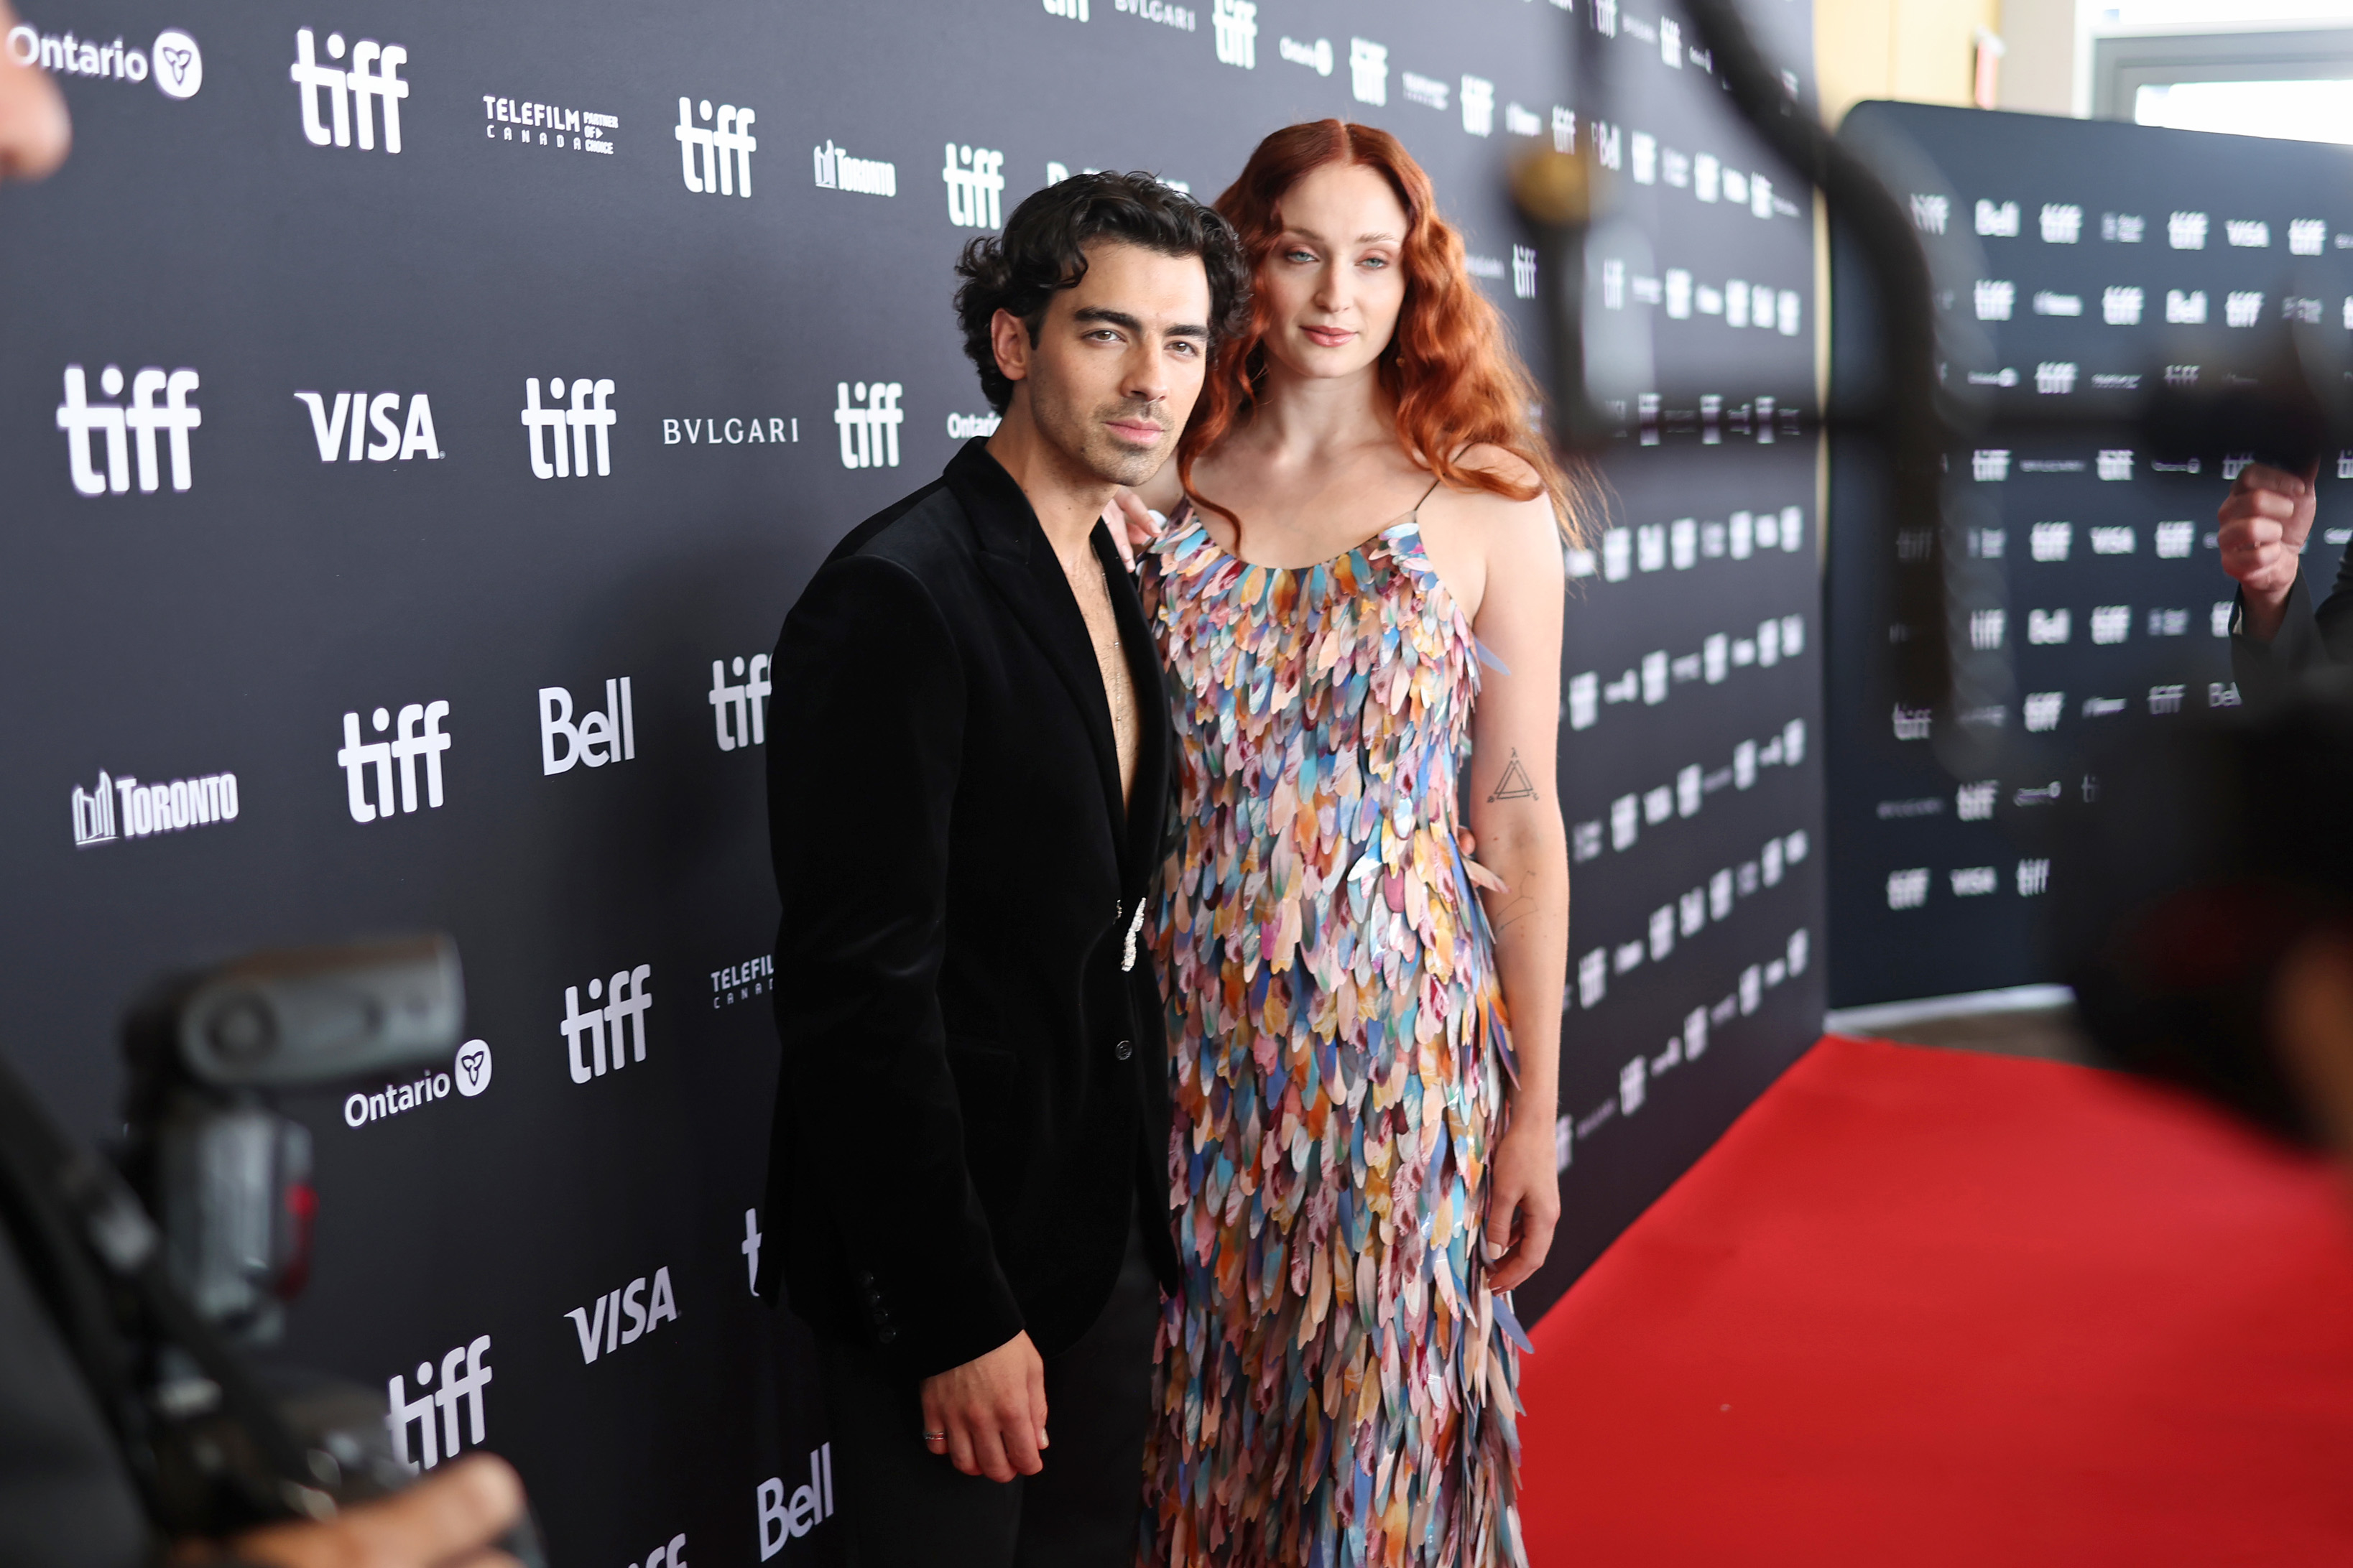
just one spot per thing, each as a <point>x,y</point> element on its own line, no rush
<point>1433,491</point>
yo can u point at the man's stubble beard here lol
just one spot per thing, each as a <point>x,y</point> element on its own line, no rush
<point>1084,440</point>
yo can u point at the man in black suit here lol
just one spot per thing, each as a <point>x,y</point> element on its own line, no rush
<point>968,765</point>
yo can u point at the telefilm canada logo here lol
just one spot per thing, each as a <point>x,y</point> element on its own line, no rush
<point>529,124</point>
<point>339,103</point>
<point>122,807</point>
<point>128,430</point>
<point>715,148</point>
<point>547,425</point>
<point>173,62</point>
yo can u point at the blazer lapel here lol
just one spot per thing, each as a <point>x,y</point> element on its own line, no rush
<point>1021,567</point>
<point>1148,800</point>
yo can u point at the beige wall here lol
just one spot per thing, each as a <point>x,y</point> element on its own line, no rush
<point>1920,51</point>
<point>2038,75</point>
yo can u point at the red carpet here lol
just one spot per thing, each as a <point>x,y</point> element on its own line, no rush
<point>1921,1307</point>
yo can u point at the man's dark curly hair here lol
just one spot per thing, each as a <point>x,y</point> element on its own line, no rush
<point>1043,250</point>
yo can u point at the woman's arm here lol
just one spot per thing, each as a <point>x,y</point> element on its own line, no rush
<point>1514,811</point>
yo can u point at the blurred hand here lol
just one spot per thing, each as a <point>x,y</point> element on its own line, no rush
<point>1522,1202</point>
<point>448,1520</point>
<point>34,130</point>
<point>2265,519</point>
<point>1131,524</point>
<point>992,1410</point>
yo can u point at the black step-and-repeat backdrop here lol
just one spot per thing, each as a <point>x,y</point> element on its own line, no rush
<point>420,420</point>
<point>2081,267</point>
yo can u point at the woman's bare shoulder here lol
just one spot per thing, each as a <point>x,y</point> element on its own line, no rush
<point>1505,464</point>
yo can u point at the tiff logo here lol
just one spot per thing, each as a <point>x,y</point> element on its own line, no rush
<point>596,739</point>
<point>1479,107</point>
<point>362,412</point>
<point>629,1000</point>
<point>587,413</point>
<point>975,182</point>
<point>149,808</point>
<point>812,1504</point>
<point>1069,10</point>
<point>1931,214</point>
<point>604,1332</point>
<point>1524,272</point>
<point>419,735</point>
<point>349,94</point>
<point>717,159</point>
<point>78,418</point>
<point>868,415</point>
<point>1236,23</point>
<point>464,1375</point>
<point>740,710</point>
<point>1368,72</point>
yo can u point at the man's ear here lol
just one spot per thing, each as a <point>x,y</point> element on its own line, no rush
<point>1010,341</point>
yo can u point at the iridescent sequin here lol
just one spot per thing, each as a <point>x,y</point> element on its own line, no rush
<point>1335,1385</point>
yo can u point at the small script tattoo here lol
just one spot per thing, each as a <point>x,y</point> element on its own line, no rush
<point>1513,785</point>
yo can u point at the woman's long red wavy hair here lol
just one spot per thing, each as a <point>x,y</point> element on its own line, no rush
<point>1450,369</point>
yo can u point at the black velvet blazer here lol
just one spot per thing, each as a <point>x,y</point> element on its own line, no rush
<point>973,1104</point>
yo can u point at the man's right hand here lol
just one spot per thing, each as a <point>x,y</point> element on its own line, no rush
<point>2265,519</point>
<point>992,1411</point>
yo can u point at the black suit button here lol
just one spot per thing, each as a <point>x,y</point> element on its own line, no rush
<point>885,1336</point>
<point>1123,1050</point>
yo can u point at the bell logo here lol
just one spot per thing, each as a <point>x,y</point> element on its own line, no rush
<point>596,739</point>
<point>604,1332</point>
<point>630,1001</point>
<point>464,1375</point>
<point>80,418</point>
<point>811,1504</point>
<point>351,95</point>
<point>362,414</point>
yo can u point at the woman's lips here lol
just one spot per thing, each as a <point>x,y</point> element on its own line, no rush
<point>1327,337</point>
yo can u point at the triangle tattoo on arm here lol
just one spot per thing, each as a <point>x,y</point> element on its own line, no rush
<point>1513,785</point>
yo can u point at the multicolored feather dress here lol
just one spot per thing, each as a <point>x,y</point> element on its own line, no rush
<point>1335,1385</point>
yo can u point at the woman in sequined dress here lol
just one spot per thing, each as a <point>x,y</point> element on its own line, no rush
<point>1358,592</point>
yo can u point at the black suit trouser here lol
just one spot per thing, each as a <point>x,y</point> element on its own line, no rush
<point>908,1508</point>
